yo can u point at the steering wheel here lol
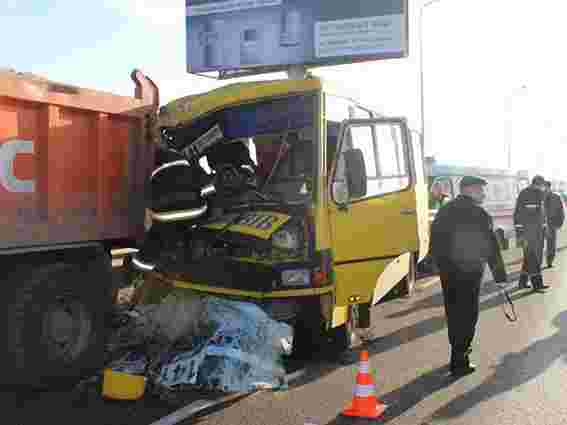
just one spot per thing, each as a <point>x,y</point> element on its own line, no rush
<point>229,177</point>
<point>233,180</point>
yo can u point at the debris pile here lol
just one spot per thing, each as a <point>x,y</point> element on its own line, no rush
<point>205,342</point>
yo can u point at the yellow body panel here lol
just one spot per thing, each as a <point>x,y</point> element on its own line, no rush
<point>392,274</point>
<point>377,227</point>
<point>357,280</point>
<point>368,235</point>
<point>277,220</point>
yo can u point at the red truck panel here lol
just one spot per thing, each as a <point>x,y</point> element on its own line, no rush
<point>73,162</point>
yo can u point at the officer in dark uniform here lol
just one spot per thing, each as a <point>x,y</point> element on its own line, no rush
<point>555,219</point>
<point>462,244</point>
<point>529,221</point>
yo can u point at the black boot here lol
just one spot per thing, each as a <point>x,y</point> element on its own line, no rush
<point>538,285</point>
<point>523,282</point>
<point>461,365</point>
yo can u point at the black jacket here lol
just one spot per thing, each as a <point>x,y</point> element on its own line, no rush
<point>530,207</point>
<point>554,210</point>
<point>462,238</point>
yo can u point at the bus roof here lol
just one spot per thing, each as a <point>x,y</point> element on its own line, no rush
<point>189,108</point>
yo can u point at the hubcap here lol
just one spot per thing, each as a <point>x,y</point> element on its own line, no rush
<point>66,329</point>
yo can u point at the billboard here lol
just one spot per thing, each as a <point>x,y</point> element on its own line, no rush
<point>269,35</point>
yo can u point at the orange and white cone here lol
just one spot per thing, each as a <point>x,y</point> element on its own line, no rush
<point>365,404</point>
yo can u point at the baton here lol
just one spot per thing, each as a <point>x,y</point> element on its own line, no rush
<point>513,317</point>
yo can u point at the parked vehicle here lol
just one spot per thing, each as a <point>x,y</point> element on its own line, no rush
<point>502,190</point>
<point>501,193</point>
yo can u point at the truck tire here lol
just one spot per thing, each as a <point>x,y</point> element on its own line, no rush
<point>57,322</point>
<point>311,340</point>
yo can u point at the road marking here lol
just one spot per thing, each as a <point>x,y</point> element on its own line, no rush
<point>197,406</point>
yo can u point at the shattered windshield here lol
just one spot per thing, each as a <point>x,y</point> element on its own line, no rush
<point>262,150</point>
<point>285,164</point>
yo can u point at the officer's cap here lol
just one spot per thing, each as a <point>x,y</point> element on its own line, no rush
<point>538,180</point>
<point>472,180</point>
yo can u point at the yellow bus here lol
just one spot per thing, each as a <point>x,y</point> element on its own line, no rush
<point>331,216</point>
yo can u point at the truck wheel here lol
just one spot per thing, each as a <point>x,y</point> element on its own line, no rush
<point>57,322</point>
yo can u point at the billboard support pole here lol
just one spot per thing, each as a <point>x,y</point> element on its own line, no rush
<point>297,72</point>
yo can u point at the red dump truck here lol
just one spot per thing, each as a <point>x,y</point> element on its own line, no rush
<point>73,165</point>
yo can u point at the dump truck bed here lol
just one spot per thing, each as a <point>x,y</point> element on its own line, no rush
<point>73,161</point>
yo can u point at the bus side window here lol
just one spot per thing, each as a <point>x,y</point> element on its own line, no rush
<point>385,156</point>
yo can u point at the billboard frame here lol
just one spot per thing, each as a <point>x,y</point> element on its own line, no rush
<point>269,69</point>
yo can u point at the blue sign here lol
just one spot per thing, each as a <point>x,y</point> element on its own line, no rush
<point>229,35</point>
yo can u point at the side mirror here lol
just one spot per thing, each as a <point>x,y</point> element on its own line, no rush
<point>355,173</point>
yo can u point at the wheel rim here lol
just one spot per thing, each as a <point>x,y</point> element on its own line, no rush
<point>66,329</point>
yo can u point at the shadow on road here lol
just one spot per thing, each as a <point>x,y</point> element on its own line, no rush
<point>401,336</point>
<point>429,326</point>
<point>513,370</point>
<point>436,300</point>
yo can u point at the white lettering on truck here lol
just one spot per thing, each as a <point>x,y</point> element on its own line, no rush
<point>8,152</point>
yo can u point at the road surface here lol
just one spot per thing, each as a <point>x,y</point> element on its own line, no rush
<point>521,378</point>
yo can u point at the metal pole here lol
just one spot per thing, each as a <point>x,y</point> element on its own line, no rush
<point>421,84</point>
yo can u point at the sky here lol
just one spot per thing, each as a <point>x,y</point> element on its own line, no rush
<point>477,56</point>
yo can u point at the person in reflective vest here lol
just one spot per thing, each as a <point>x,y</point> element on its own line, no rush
<point>529,222</point>
<point>555,219</point>
<point>463,242</point>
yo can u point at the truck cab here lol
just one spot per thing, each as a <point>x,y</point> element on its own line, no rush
<point>328,216</point>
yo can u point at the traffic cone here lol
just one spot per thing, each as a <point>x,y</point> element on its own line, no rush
<point>365,404</point>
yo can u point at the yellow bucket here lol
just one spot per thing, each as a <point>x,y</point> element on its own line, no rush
<point>122,386</point>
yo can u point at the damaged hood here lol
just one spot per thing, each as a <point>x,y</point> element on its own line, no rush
<point>260,224</point>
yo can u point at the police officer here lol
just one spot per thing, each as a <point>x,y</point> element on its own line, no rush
<point>529,221</point>
<point>462,243</point>
<point>555,218</point>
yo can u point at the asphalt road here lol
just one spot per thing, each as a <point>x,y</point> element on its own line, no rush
<point>521,378</point>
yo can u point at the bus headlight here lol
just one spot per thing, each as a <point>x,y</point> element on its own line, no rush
<point>288,238</point>
<point>296,277</point>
